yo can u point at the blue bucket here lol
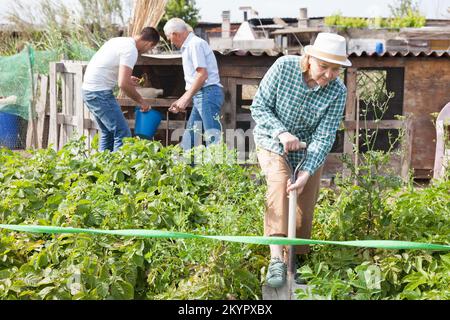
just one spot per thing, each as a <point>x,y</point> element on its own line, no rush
<point>9,130</point>
<point>146,123</point>
<point>379,48</point>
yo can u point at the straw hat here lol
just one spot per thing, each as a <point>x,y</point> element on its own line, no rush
<point>329,47</point>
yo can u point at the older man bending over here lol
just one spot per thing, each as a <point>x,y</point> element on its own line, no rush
<point>203,86</point>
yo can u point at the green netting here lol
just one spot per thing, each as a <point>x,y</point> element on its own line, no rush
<point>16,79</point>
<point>79,51</point>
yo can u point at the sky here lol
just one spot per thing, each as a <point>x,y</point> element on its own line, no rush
<point>211,10</point>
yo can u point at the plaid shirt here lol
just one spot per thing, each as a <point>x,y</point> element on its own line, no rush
<point>284,102</point>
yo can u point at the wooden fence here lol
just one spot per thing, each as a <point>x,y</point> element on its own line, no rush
<point>63,115</point>
<point>59,108</point>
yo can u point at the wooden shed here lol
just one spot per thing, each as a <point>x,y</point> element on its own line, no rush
<point>420,82</point>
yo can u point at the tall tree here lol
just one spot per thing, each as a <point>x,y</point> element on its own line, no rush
<point>184,9</point>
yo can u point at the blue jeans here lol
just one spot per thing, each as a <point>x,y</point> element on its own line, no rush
<point>108,114</point>
<point>204,118</point>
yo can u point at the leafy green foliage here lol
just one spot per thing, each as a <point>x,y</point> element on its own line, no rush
<point>380,206</point>
<point>374,203</point>
<point>410,19</point>
<point>145,185</point>
<point>182,9</point>
<point>345,22</point>
<point>409,214</point>
<point>141,186</point>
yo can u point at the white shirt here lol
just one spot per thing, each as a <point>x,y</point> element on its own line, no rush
<point>102,71</point>
<point>196,53</point>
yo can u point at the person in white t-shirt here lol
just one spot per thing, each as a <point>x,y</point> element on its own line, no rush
<point>113,64</point>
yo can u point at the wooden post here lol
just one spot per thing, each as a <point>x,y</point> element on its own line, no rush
<point>63,127</point>
<point>78,98</point>
<point>79,104</point>
<point>53,123</point>
<point>229,106</point>
<point>31,141</point>
<point>167,127</point>
<point>407,149</point>
<point>41,110</point>
<point>350,115</point>
<point>68,106</point>
<point>355,182</point>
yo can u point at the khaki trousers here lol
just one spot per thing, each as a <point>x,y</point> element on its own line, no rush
<point>277,173</point>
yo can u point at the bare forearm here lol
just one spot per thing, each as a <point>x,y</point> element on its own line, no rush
<point>182,103</point>
<point>196,86</point>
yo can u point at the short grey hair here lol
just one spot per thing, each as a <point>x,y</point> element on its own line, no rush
<point>175,25</point>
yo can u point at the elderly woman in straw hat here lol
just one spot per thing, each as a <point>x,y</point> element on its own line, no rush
<point>300,100</point>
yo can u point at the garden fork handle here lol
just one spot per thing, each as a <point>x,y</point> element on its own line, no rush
<point>292,225</point>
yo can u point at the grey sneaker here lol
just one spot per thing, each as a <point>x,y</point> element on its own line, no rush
<point>276,273</point>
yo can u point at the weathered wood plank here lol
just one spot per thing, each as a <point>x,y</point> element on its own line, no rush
<point>155,102</point>
<point>426,91</point>
<point>67,120</point>
<point>53,122</point>
<point>380,62</point>
<point>73,66</point>
<point>149,61</point>
<point>167,127</point>
<point>78,98</point>
<point>228,111</point>
<point>31,140</point>
<point>41,110</point>
<point>79,104</point>
<point>350,114</point>
<point>66,99</point>
<point>248,81</point>
<point>244,117</point>
<point>407,149</point>
<point>92,125</point>
<point>383,124</point>
<point>245,61</point>
<point>248,73</point>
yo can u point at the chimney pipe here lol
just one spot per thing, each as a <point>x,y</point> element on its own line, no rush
<point>303,21</point>
<point>246,9</point>
<point>226,24</point>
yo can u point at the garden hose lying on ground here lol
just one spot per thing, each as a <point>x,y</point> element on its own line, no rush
<point>142,233</point>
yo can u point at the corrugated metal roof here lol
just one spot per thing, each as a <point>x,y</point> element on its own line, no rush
<point>244,53</point>
<point>271,53</point>
<point>436,53</point>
